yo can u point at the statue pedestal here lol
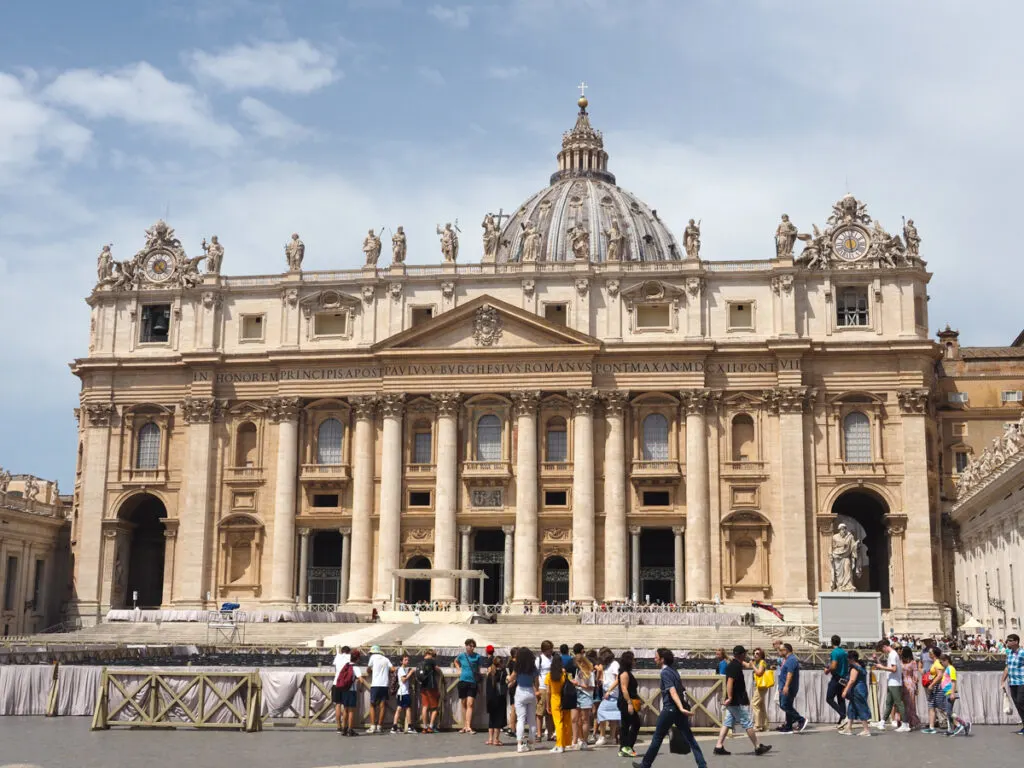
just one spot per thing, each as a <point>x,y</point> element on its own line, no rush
<point>855,616</point>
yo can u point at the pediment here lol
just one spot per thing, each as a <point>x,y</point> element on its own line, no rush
<point>488,323</point>
<point>653,291</point>
<point>327,301</point>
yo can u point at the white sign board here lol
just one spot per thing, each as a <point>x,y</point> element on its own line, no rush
<point>854,616</point>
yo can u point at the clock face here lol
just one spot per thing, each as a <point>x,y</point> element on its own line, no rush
<point>159,267</point>
<point>850,243</point>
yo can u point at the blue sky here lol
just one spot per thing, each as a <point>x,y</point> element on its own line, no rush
<point>251,120</point>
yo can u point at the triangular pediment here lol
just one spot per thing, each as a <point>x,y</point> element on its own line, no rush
<point>488,323</point>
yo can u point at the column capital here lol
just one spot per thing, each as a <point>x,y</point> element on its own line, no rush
<point>615,401</point>
<point>913,401</point>
<point>679,530</point>
<point>99,414</point>
<point>392,404</point>
<point>345,531</point>
<point>698,401</point>
<point>634,530</point>
<point>170,533</point>
<point>303,532</point>
<point>202,410</point>
<point>525,402</point>
<point>582,400</point>
<point>365,406</point>
<point>896,525</point>
<point>283,408</point>
<point>508,530</point>
<point>446,403</point>
<point>789,399</point>
<point>465,530</point>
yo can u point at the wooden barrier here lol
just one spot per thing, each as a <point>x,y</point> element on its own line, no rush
<point>178,699</point>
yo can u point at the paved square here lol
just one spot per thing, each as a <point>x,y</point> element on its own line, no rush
<point>68,743</point>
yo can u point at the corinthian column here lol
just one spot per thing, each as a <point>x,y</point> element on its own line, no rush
<point>506,566</point>
<point>361,564</point>
<point>616,581</point>
<point>446,492</point>
<point>389,533</point>
<point>583,554</point>
<point>284,411</point>
<point>698,504</point>
<point>525,559</point>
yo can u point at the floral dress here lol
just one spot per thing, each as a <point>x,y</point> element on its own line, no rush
<point>910,694</point>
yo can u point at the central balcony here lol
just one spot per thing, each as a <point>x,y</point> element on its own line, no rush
<point>324,475</point>
<point>487,472</point>
<point>243,475</point>
<point>144,477</point>
<point>656,471</point>
<point>556,468</point>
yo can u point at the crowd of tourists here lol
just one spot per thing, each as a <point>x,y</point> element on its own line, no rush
<point>580,698</point>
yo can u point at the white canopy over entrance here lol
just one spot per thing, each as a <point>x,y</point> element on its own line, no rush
<point>431,573</point>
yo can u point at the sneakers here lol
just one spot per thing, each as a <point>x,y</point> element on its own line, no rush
<point>762,749</point>
<point>409,730</point>
<point>558,750</point>
<point>722,751</point>
<point>841,724</point>
<point>801,725</point>
<point>960,730</point>
<point>967,729</point>
<point>847,731</point>
<point>904,728</point>
<point>928,730</point>
<point>522,747</point>
<point>395,729</point>
<point>601,741</point>
<point>880,725</point>
<point>627,752</point>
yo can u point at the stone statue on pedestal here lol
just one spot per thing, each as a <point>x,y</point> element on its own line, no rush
<point>449,242</point>
<point>398,245</point>
<point>691,240</point>
<point>843,557</point>
<point>785,238</point>
<point>371,247</point>
<point>294,252</point>
<point>214,255</point>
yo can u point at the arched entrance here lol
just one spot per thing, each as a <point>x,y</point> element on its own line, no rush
<point>488,555</point>
<point>324,575</point>
<point>417,590</point>
<point>146,546</point>
<point>555,580</point>
<point>657,565</point>
<point>864,513</point>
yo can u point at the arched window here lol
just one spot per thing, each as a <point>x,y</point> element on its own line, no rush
<point>147,455</point>
<point>743,438</point>
<point>422,444</point>
<point>488,438</point>
<point>655,444</point>
<point>245,445</point>
<point>328,442</point>
<point>556,443</point>
<point>857,438</point>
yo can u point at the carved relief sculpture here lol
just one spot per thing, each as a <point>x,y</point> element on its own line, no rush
<point>486,326</point>
<point>214,255</point>
<point>398,245</point>
<point>580,238</point>
<point>371,248</point>
<point>295,252</point>
<point>616,242</point>
<point>531,242</point>
<point>31,488</point>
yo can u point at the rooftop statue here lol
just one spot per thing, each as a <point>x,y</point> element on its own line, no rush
<point>691,240</point>
<point>398,246</point>
<point>449,242</point>
<point>214,255</point>
<point>372,247</point>
<point>294,252</point>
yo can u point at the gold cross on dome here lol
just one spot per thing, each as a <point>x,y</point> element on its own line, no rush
<point>583,88</point>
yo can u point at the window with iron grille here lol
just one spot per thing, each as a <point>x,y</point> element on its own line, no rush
<point>557,440</point>
<point>147,454</point>
<point>488,438</point>
<point>857,438</point>
<point>422,448</point>
<point>852,308</point>
<point>655,444</point>
<point>328,442</point>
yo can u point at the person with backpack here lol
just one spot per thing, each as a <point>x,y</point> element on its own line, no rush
<point>343,691</point>
<point>557,688</point>
<point>674,712</point>
<point>429,678</point>
<point>403,696</point>
<point>497,700</point>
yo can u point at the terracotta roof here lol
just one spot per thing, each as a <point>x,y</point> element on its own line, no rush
<point>990,353</point>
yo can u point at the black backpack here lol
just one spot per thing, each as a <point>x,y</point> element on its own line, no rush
<point>569,698</point>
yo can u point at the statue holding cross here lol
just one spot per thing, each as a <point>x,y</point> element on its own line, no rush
<point>491,235</point>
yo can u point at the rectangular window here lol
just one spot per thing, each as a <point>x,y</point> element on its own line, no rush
<point>419,498</point>
<point>421,315</point>
<point>957,397</point>
<point>852,308</point>
<point>330,324</point>
<point>556,498</point>
<point>1012,396</point>
<point>252,327</point>
<point>421,448</point>
<point>558,445</point>
<point>657,499</point>
<point>555,313</point>
<point>10,582</point>
<point>741,316</point>
<point>325,500</point>
<point>37,585</point>
<point>653,316</point>
<point>960,457</point>
<point>156,324</point>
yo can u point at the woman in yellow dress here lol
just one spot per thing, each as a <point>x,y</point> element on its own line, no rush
<point>764,679</point>
<point>556,679</point>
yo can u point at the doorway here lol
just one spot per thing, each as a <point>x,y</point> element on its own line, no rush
<point>146,549</point>
<point>555,580</point>
<point>488,555</point>
<point>866,511</point>
<point>324,573</point>
<point>417,590</point>
<point>657,565</point>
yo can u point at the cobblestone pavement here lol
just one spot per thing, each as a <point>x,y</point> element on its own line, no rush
<point>68,743</point>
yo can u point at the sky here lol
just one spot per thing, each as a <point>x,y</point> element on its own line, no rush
<point>253,119</point>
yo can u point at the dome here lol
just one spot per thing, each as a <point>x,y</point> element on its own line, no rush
<point>584,214</point>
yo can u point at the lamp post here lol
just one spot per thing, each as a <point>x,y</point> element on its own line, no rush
<point>995,602</point>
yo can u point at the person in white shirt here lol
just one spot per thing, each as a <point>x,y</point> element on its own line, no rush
<point>344,698</point>
<point>608,715</point>
<point>547,649</point>
<point>403,697</point>
<point>378,669</point>
<point>893,689</point>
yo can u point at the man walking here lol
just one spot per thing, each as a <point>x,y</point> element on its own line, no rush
<point>673,712</point>
<point>1014,674</point>
<point>737,705</point>
<point>790,674</point>
<point>468,665</point>
<point>839,669</point>
<point>893,689</point>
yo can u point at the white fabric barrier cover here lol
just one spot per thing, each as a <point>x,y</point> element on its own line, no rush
<point>663,619</point>
<point>251,617</point>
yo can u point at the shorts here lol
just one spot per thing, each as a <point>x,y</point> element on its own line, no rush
<point>349,699</point>
<point>403,701</point>
<point>338,695</point>
<point>467,690</point>
<point>378,693</point>
<point>738,715</point>
<point>584,700</point>
<point>430,698</point>
<point>937,699</point>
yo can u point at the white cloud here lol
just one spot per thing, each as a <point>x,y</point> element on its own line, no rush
<point>140,94</point>
<point>28,128</point>
<point>292,67</point>
<point>506,73</point>
<point>456,17</point>
<point>430,75</point>
<point>269,123</point>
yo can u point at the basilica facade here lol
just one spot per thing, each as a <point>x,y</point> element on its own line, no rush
<point>582,407</point>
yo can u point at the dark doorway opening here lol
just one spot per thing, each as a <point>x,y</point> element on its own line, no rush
<point>555,580</point>
<point>324,574</point>
<point>868,511</point>
<point>417,590</point>
<point>146,549</point>
<point>488,555</point>
<point>657,565</point>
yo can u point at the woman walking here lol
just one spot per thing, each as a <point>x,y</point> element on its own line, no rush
<point>584,701</point>
<point>764,679</point>
<point>554,683</point>
<point>629,706</point>
<point>511,703</point>
<point>497,698</point>
<point>910,687</point>
<point>608,710</point>
<point>856,695</point>
<point>524,678</point>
